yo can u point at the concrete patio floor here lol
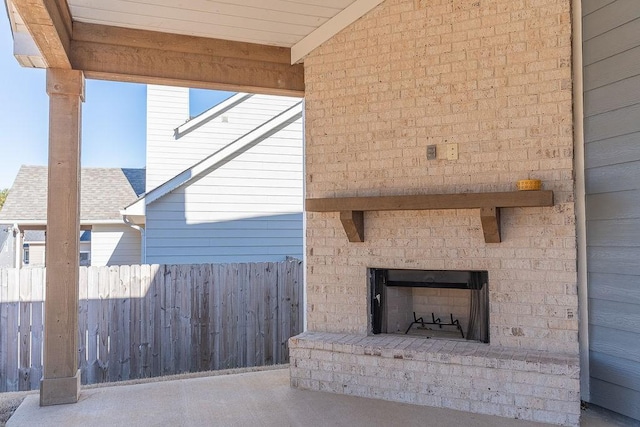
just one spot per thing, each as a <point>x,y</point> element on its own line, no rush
<point>261,398</point>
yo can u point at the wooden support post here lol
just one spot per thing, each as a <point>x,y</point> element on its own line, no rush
<point>490,219</point>
<point>61,378</point>
<point>353,223</point>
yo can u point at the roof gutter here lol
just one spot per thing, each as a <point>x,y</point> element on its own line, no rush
<point>38,222</point>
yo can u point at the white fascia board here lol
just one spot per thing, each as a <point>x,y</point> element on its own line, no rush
<point>25,49</point>
<point>333,26</point>
<point>137,208</point>
<point>23,45</point>
<point>32,222</point>
<point>20,223</point>
<point>227,153</point>
<point>210,114</point>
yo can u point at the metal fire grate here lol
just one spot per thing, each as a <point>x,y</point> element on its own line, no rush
<point>435,321</point>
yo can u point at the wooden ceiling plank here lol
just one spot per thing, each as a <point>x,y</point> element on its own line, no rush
<point>49,23</point>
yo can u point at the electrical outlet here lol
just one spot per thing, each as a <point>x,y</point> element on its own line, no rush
<point>431,152</point>
<point>452,151</point>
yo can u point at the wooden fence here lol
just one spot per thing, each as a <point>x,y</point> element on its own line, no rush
<point>150,320</point>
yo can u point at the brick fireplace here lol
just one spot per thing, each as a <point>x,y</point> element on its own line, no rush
<point>493,78</point>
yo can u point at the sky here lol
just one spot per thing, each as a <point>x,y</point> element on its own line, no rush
<point>113,117</point>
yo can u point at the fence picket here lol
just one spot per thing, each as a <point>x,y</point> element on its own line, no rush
<point>37,325</point>
<point>272,338</point>
<point>145,311</point>
<point>123,345</point>
<point>93,316</point>
<point>13,313</point>
<point>4,319</point>
<point>24,330</point>
<point>216,315</point>
<point>154,297</point>
<point>83,321</point>
<point>184,317</point>
<point>241,314</point>
<point>102,364</point>
<point>135,327</point>
<point>150,320</point>
<point>204,355</point>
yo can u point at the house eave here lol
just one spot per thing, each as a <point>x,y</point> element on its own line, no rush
<point>37,224</point>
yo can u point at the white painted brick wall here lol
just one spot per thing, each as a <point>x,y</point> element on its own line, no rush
<point>493,77</point>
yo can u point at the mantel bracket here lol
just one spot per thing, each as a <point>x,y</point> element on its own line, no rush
<point>490,220</point>
<point>353,223</point>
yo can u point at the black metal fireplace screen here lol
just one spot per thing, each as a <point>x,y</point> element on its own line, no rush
<point>475,282</point>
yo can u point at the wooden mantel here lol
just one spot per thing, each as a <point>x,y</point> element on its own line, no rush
<point>352,208</point>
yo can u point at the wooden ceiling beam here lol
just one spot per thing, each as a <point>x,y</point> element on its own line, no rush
<point>140,56</point>
<point>179,43</point>
<point>49,23</point>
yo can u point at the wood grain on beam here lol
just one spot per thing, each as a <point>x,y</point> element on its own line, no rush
<point>432,201</point>
<point>490,220</point>
<point>179,43</point>
<point>120,54</point>
<point>49,23</point>
<point>61,380</point>
<point>353,223</point>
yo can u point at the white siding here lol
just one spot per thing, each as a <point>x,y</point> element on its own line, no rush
<point>36,255</point>
<point>168,108</point>
<point>247,210</point>
<point>115,245</point>
<point>7,247</point>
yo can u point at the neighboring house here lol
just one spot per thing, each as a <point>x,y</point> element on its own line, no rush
<point>105,238</point>
<point>225,186</point>
<point>33,248</point>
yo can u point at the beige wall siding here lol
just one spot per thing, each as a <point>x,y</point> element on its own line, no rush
<point>115,245</point>
<point>491,76</point>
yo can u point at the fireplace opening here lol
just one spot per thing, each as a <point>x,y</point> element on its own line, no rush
<point>440,304</point>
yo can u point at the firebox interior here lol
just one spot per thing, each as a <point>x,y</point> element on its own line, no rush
<point>441,304</point>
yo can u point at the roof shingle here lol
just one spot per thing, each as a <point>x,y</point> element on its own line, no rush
<point>104,191</point>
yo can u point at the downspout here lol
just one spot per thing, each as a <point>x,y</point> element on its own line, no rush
<point>18,246</point>
<point>143,236</point>
<point>304,220</point>
<point>580,200</point>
